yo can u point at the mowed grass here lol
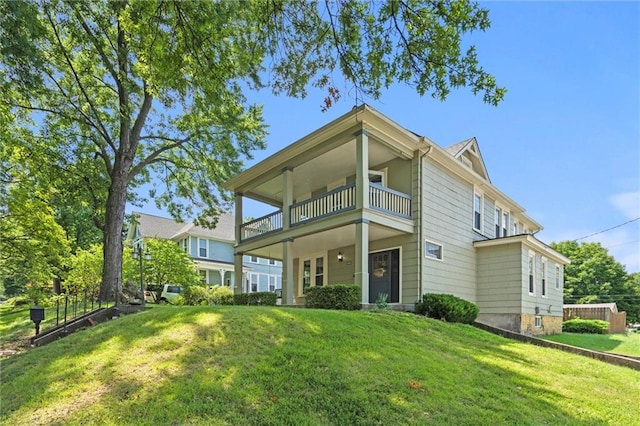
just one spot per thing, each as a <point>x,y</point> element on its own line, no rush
<point>282,366</point>
<point>624,344</point>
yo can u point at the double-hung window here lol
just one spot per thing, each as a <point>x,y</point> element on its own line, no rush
<point>531,273</point>
<point>558,277</point>
<point>477,212</point>
<point>202,248</point>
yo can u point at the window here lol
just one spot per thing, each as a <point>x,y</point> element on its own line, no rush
<point>272,282</point>
<point>515,228</point>
<point>432,250</point>
<point>306,275</point>
<point>477,212</point>
<point>538,321</point>
<point>203,276</point>
<point>505,223</point>
<point>531,273</point>
<point>557,277</point>
<point>313,272</point>
<point>272,262</point>
<point>543,289</point>
<point>253,282</point>
<point>253,259</point>
<point>202,248</point>
<point>319,271</point>
<point>498,218</point>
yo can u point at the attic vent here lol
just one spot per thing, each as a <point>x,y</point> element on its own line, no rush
<point>464,160</point>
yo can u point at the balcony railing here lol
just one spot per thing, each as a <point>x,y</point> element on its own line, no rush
<point>333,202</point>
<point>261,226</point>
<point>388,200</point>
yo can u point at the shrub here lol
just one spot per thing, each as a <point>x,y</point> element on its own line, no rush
<point>194,295</point>
<point>267,298</point>
<point>220,295</point>
<point>585,326</point>
<point>447,307</point>
<point>344,297</point>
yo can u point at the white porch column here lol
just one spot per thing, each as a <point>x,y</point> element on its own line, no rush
<point>362,258</point>
<point>222,272</point>
<point>362,170</point>
<point>237,273</point>
<point>287,272</point>
<point>238,204</point>
<point>287,196</point>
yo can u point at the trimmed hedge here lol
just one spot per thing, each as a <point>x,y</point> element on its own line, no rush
<point>585,326</point>
<point>344,297</point>
<point>266,298</point>
<point>447,307</point>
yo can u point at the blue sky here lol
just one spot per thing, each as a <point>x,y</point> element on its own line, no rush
<point>565,142</point>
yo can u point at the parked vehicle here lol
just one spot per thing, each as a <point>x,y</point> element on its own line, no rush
<point>166,294</point>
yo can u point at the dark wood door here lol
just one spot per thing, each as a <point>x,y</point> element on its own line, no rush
<point>384,274</point>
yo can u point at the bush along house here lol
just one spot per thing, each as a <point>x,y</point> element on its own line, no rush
<point>212,251</point>
<point>364,201</point>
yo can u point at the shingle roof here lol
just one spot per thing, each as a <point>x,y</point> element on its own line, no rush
<point>160,227</point>
<point>457,147</point>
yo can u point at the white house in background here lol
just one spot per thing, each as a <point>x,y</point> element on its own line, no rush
<point>363,200</point>
<point>212,250</point>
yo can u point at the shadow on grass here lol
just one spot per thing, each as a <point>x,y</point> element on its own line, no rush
<point>262,365</point>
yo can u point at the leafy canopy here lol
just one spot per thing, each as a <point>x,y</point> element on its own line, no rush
<point>111,95</point>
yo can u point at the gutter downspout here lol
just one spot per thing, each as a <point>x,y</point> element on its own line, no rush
<point>420,214</point>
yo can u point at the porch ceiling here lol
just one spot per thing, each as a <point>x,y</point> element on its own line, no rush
<point>321,170</point>
<point>324,241</point>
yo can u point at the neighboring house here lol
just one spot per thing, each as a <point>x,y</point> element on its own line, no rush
<point>598,311</point>
<point>212,251</point>
<point>364,201</point>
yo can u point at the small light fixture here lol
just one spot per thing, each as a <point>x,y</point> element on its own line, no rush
<point>340,257</point>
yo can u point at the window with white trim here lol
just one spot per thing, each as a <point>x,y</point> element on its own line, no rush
<point>432,250</point>
<point>203,276</point>
<point>253,259</point>
<point>543,280</point>
<point>272,282</point>
<point>313,272</point>
<point>538,323</point>
<point>497,219</point>
<point>505,223</point>
<point>202,247</point>
<point>272,262</point>
<point>477,211</point>
<point>254,280</point>
<point>531,273</point>
<point>557,277</point>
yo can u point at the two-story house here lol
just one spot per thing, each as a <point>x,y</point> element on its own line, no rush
<point>212,251</point>
<point>365,201</point>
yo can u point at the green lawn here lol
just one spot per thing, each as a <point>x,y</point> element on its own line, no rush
<point>269,365</point>
<point>624,344</point>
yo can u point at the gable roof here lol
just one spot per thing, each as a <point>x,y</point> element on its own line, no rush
<point>470,151</point>
<point>151,226</point>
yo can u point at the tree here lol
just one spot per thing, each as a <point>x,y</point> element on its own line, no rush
<point>114,93</point>
<point>169,264</point>
<point>594,276</point>
<point>85,272</point>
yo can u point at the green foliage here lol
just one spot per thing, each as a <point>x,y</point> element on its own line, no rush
<point>85,270</point>
<point>344,297</point>
<point>381,302</point>
<point>266,298</point>
<point>447,307</point>
<point>169,264</point>
<point>125,92</point>
<point>578,325</point>
<point>594,276</point>
<point>199,295</point>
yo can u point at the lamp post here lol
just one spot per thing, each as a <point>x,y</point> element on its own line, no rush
<point>137,254</point>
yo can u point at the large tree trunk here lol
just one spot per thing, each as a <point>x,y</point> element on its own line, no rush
<point>114,221</point>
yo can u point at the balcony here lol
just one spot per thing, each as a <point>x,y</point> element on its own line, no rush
<point>331,203</point>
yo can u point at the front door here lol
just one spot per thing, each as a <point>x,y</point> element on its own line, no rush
<point>384,274</point>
